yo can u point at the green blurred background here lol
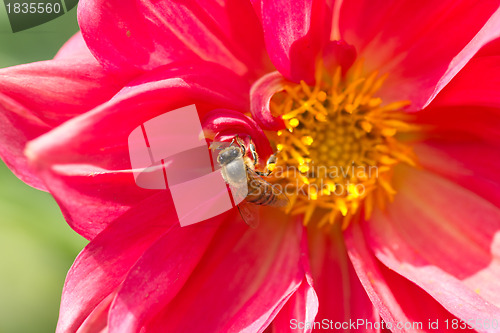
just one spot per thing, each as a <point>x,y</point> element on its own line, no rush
<point>36,245</point>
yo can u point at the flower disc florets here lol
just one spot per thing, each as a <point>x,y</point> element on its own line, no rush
<point>340,145</point>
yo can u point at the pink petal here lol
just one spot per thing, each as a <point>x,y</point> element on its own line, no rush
<point>461,124</point>
<point>444,239</point>
<point>260,96</point>
<point>97,321</point>
<point>102,266</point>
<point>303,305</point>
<point>140,36</point>
<point>58,90</point>
<point>398,300</point>
<point>478,84</point>
<point>341,295</point>
<point>301,308</point>
<point>421,45</point>
<point>160,273</point>
<point>245,278</point>
<point>458,162</point>
<point>490,49</point>
<point>294,33</point>
<point>75,47</point>
<point>85,162</point>
<point>18,126</point>
<point>338,53</point>
<point>36,97</point>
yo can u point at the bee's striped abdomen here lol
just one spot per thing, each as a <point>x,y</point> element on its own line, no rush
<point>260,193</point>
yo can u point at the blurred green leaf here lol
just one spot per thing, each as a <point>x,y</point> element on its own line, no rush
<point>37,247</point>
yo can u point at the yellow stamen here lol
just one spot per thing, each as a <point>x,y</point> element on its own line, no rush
<point>343,141</point>
<point>307,140</point>
<point>303,168</point>
<point>294,122</point>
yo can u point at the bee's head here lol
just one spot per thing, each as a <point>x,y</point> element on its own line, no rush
<point>228,155</point>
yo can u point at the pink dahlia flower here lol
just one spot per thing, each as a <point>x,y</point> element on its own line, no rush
<point>407,88</point>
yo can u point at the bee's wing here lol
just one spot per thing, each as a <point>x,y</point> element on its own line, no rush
<point>214,145</point>
<point>280,198</point>
<point>249,213</point>
<point>239,191</point>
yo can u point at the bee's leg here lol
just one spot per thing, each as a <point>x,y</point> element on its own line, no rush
<point>255,157</point>
<point>241,144</point>
<point>232,141</point>
<point>253,151</point>
<point>270,165</point>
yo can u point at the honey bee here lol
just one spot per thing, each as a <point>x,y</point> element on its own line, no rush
<point>247,184</point>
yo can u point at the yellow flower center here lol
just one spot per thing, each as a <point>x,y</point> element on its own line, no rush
<point>337,153</point>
